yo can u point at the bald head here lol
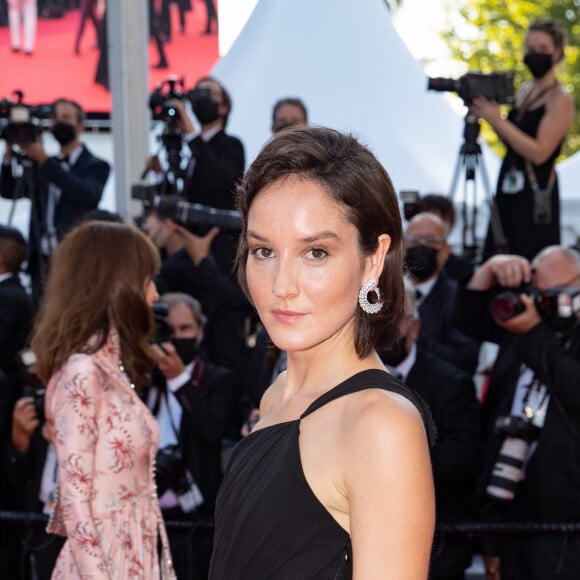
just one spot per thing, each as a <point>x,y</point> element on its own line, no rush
<point>428,222</point>
<point>556,266</point>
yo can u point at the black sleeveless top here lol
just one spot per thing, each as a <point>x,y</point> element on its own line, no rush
<point>269,524</point>
<point>524,236</point>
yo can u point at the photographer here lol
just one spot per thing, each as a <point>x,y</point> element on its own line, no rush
<point>217,159</point>
<point>191,265</point>
<point>31,469</point>
<point>527,194</point>
<point>193,401</point>
<point>531,410</point>
<point>64,187</point>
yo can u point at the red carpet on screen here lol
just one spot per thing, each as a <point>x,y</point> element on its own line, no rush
<point>54,70</point>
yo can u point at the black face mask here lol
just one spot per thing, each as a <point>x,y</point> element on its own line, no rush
<point>64,133</point>
<point>186,348</point>
<point>421,261</point>
<point>205,110</point>
<point>396,354</point>
<point>538,63</point>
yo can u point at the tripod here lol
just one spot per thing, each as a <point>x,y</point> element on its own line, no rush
<point>470,158</point>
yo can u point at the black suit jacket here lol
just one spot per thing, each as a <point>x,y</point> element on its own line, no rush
<point>456,455</point>
<point>550,491</point>
<point>208,404</point>
<point>81,191</point>
<point>219,164</point>
<point>15,325</point>
<point>439,335</point>
<point>15,322</point>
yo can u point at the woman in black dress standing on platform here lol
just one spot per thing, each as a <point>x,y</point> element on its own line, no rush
<point>335,479</point>
<point>527,195</point>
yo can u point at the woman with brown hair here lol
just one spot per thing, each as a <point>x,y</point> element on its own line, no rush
<point>335,480</point>
<point>91,344</point>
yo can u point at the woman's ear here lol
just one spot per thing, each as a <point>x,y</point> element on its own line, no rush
<point>376,261</point>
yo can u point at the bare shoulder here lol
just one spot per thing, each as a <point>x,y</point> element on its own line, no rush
<point>384,420</point>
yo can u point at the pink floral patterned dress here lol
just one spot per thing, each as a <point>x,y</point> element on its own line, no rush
<point>105,440</point>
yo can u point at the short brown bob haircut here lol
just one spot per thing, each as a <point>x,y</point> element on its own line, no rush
<point>357,181</point>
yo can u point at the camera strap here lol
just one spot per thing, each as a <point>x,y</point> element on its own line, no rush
<point>542,202</point>
<point>527,103</point>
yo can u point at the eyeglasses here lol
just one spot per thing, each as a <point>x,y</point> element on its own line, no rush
<point>424,240</point>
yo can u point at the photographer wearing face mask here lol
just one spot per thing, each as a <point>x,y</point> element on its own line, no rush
<point>193,401</point>
<point>426,252</point>
<point>65,186</point>
<point>531,411</point>
<point>527,194</point>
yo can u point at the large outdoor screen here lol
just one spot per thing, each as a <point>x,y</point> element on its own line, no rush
<point>62,60</point>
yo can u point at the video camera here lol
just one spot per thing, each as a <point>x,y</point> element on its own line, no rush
<point>24,122</point>
<point>161,101</point>
<point>498,87</point>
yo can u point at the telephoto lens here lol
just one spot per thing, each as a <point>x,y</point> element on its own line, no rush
<point>508,469</point>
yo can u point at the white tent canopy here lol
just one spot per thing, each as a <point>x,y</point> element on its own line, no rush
<point>353,71</point>
<point>569,177</point>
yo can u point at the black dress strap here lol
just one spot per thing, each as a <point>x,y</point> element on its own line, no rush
<point>377,379</point>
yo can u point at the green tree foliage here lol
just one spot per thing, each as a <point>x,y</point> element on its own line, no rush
<point>488,36</point>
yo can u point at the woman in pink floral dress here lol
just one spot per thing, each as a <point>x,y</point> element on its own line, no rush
<point>91,344</point>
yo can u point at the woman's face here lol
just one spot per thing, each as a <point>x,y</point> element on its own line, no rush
<point>539,42</point>
<point>304,268</point>
<point>151,294</point>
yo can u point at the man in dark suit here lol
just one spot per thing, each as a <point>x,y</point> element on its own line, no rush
<point>15,322</point>
<point>15,308</point>
<point>426,252</point>
<point>193,401</point>
<point>217,159</point>
<point>531,411</point>
<point>63,187</point>
<point>456,456</point>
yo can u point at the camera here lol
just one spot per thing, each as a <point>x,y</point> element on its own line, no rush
<point>498,87</point>
<point>191,215</point>
<point>160,100</point>
<point>172,473</point>
<point>509,468</point>
<point>145,192</point>
<point>560,301</point>
<point>162,330</point>
<point>23,121</point>
<point>169,468</point>
<point>163,109</point>
<point>411,203</point>
<point>37,393</point>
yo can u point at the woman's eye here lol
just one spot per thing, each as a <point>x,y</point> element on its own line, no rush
<point>262,253</point>
<point>317,253</point>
